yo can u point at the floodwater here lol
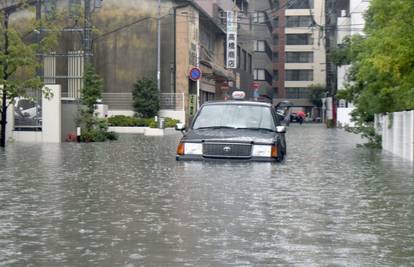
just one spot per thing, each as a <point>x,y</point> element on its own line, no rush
<point>129,203</point>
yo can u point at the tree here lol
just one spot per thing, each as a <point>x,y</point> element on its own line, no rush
<point>146,98</point>
<point>93,129</point>
<point>19,62</point>
<point>316,93</point>
<point>381,78</point>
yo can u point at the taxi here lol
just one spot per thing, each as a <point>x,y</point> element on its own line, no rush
<point>233,130</point>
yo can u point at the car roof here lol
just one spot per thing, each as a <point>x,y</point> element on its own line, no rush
<point>238,102</point>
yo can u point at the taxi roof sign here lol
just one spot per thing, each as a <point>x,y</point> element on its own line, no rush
<point>238,95</point>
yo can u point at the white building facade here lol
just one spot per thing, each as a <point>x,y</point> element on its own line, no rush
<point>350,22</point>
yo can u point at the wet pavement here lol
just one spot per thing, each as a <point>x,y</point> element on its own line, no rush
<point>129,203</point>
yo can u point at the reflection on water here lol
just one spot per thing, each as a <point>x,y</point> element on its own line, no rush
<point>129,203</point>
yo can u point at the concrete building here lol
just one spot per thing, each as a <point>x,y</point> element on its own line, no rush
<point>200,39</point>
<point>300,56</point>
<point>261,37</point>
<point>350,22</point>
<point>124,49</point>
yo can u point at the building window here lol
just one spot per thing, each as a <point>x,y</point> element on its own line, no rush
<point>244,60</point>
<point>276,39</point>
<point>260,46</point>
<point>276,22</point>
<point>275,56</point>
<point>299,39</point>
<point>299,75</point>
<point>299,4</point>
<point>262,75</point>
<point>259,17</point>
<point>298,21</point>
<point>297,92</point>
<point>299,57</point>
<point>259,75</point>
<point>275,75</point>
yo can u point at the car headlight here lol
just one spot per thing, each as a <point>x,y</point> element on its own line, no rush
<point>193,149</point>
<point>262,151</point>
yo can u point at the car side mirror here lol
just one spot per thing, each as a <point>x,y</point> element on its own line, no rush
<point>180,127</point>
<point>280,129</point>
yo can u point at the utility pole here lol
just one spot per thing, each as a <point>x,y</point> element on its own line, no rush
<point>5,78</point>
<point>159,47</point>
<point>87,32</point>
<point>39,69</point>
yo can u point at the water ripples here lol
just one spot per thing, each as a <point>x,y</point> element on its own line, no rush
<point>129,203</point>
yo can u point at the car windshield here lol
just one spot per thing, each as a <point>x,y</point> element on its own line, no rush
<point>235,116</point>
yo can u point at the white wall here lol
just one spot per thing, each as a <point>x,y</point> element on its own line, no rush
<point>112,113</point>
<point>357,9</point>
<point>174,114</point>
<point>51,115</point>
<point>354,24</point>
<point>344,117</point>
<point>397,133</point>
<point>10,122</point>
<point>101,110</point>
<point>51,120</point>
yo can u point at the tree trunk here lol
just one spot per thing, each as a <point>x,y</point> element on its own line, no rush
<point>5,78</point>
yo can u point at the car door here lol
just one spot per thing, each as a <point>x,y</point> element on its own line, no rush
<point>281,135</point>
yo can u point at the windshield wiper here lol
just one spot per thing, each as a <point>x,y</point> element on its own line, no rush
<point>215,127</point>
<point>255,128</point>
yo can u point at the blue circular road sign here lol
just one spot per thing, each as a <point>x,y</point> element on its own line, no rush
<point>195,74</point>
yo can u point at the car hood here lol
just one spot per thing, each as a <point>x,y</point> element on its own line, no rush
<point>230,135</point>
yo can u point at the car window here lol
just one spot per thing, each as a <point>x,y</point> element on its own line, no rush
<point>26,104</point>
<point>235,116</point>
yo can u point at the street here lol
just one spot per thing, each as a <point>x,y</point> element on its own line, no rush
<point>129,203</point>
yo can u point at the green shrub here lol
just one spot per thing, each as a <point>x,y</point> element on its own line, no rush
<point>152,123</point>
<point>330,123</point>
<point>93,136</point>
<point>112,136</point>
<point>146,97</point>
<point>119,120</point>
<point>125,121</point>
<point>170,123</point>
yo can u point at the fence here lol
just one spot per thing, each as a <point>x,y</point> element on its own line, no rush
<point>66,70</point>
<point>172,101</point>
<point>124,101</point>
<point>118,101</point>
<point>397,131</point>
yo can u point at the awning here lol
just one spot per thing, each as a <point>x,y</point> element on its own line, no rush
<point>207,87</point>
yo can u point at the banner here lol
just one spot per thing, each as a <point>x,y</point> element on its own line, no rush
<point>231,47</point>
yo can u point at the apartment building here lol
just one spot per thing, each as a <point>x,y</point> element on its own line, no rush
<point>299,50</point>
<point>261,38</point>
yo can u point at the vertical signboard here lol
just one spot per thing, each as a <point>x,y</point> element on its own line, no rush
<point>192,104</point>
<point>231,48</point>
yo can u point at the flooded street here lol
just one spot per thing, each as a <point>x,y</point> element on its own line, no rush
<point>129,203</point>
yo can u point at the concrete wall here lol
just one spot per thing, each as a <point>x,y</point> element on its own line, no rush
<point>344,117</point>
<point>10,122</point>
<point>51,115</point>
<point>69,113</point>
<point>397,131</point>
<point>51,120</point>
<point>352,24</point>
<point>174,114</point>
